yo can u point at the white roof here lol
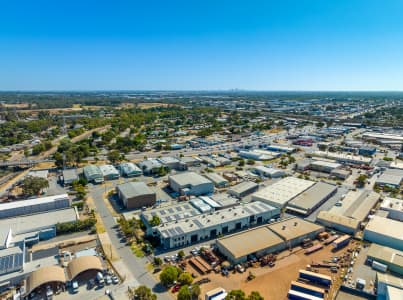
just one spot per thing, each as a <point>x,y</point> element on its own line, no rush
<point>283,191</point>
<point>392,204</point>
<point>33,201</point>
<point>386,227</point>
<point>108,169</point>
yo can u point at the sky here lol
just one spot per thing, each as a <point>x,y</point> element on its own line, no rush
<point>201,45</point>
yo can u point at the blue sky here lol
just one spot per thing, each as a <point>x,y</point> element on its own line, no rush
<point>201,45</point>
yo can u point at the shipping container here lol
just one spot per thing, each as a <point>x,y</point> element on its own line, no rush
<point>313,249</point>
<point>315,278</point>
<point>341,241</point>
<point>330,239</point>
<point>307,289</point>
<point>295,295</point>
<point>379,267</point>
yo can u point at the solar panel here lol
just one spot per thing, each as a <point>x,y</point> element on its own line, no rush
<point>248,210</point>
<point>177,217</point>
<point>178,208</point>
<point>172,232</point>
<point>171,210</point>
<point>258,209</point>
<point>169,218</point>
<point>162,212</point>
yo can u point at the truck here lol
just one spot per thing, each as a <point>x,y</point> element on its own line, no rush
<point>296,295</point>
<point>307,289</point>
<point>341,242</point>
<point>313,249</point>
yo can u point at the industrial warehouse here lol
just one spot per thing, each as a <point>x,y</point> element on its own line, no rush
<point>348,214</point>
<point>243,189</point>
<point>136,195</point>
<point>32,206</point>
<point>312,198</point>
<point>208,226</point>
<point>281,192</point>
<point>266,239</point>
<point>190,183</point>
<point>384,232</point>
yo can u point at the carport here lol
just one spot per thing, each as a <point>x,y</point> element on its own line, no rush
<point>84,268</point>
<point>52,276</point>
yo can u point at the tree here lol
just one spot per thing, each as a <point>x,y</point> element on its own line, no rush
<point>250,162</point>
<point>184,293</point>
<point>255,296</point>
<point>144,293</point>
<point>168,275</point>
<point>236,295</point>
<point>33,185</point>
<point>157,261</point>
<point>195,292</point>
<point>181,254</point>
<point>114,156</point>
<point>185,278</point>
<point>155,221</point>
<point>241,163</point>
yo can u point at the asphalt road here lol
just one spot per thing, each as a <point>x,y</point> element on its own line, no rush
<point>137,266</point>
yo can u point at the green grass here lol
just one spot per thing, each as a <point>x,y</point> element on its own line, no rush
<point>136,250</point>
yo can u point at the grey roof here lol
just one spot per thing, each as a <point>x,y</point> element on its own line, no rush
<point>189,178</point>
<point>243,186</point>
<point>391,176</point>
<point>312,196</point>
<point>172,213</point>
<point>70,174</point>
<point>92,170</point>
<point>134,189</point>
<point>149,164</point>
<point>216,178</point>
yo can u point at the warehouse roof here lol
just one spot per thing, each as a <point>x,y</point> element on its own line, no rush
<point>386,227</point>
<point>129,167</point>
<point>243,186</point>
<point>45,275</point>
<point>389,280</point>
<point>172,213</point>
<point>250,241</point>
<point>39,173</point>
<point>323,163</point>
<point>134,189</point>
<point>168,160</point>
<point>356,204</point>
<point>216,178</point>
<point>338,219</point>
<point>342,156</point>
<point>391,177</point>
<point>207,220</point>
<point>386,254</point>
<point>293,228</point>
<point>189,178</point>
<point>34,201</point>
<point>92,170</point>
<point>70,174</point>
<point>312,196</point>
<point>392,204</point>
<point>283,191</point>
<point>29,223</point>
<point>108,169</point>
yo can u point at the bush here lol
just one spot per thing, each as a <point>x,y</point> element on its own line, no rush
<point>79,225</point>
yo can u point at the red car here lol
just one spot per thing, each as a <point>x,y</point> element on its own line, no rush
<point>176,288</point>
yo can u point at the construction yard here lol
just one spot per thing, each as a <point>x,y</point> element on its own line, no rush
<point>273,282</point>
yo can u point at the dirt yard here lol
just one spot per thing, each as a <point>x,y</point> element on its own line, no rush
<point>272,283</point>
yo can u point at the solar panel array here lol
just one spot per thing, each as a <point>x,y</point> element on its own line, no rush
<point>11,263</point>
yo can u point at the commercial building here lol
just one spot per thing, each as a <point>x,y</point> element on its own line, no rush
<point>381,137</point>
<point>150,166</point>
<point>281,192</point>
<point>172,163</point>
<point>342,157</point>
<point>136,195</point>
<point>309,200</point>
<point>109,172</point>
<point>39,174</point>
<point>340,173</point>
<point>190,183</point>
<point>32,228</point>
<point>390,257</point>
<point>173,213</point>
<point>263,171</point>
<point>323,166</point>
<point>93,174</point>
<point>385,232</point>
<point>394,207</point>
<point>259,241</point>
<point>388,286</point>
<point>391,178</point>
<point>32,206</point>
<point>218,180</point>
<point>294,230</point>
<point>69,176</point>
<point>348,214</point>
<point>129,170</point>
<point>258,154</point>
<point>209,226</point>
<point>243,189</point>
<point>190,161</point>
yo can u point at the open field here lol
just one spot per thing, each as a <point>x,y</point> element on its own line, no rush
<point>147,105</point>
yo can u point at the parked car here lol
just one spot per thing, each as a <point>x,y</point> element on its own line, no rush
<point>108,279</point>
<point>115,279</point>
<point>176,288</point>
